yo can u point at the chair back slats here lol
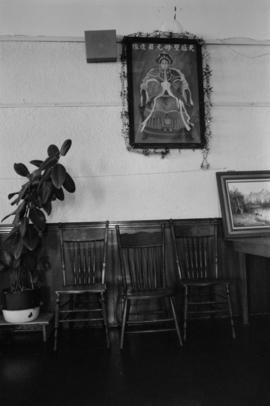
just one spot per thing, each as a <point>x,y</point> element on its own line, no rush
<point>142,259</point>
<point>195,252</point>
<point>196,256</point>
<point>142,267</point>
<point>84,260</point>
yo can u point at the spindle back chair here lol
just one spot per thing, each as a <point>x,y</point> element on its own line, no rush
<point>197,261</point>
<point>82,297</point>
<point>143,268</point>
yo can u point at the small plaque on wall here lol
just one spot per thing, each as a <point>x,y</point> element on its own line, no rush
<point>101,46</point>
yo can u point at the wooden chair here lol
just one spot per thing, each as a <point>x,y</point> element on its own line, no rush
<point>82,298</point>
<point>196,255</point>
<point>142,262</point>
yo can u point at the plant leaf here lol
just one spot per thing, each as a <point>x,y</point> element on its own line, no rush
<point>16,263</point>
<point>35,175</point>
<point>19,248</point>
<point>46,190</point>
<point>5,259</point>
<point>36,162</point>
<point>69,184</point>
<point>10,195</point>
<point>21,169</point>
<point>31,238</point>
<point>59,193</point>
<point>23,190</point>
<point>58,175</point>
<point>23,225</point>
<point>49,162</point>
<point>29,261</point>
<point>53,150</point>
<point>12,244</point>
<point>20,211</point>
<point>12,235</point>
<point>8,215</point>
<point>47,207</point>
<point>21,194</point>
<point>46,175</point>
<point>38,218</point>
<point>65,147</point>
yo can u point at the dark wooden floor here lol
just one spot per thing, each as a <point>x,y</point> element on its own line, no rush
<point>210,370</point>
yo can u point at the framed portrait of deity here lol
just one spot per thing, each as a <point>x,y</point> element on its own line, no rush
<point>165,92</point>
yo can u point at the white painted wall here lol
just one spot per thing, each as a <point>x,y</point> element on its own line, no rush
<point>49,93</point>
<point>208,18</point>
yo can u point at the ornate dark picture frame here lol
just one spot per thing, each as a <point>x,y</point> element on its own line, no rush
<point>245,203</point>
<point>165,93</point>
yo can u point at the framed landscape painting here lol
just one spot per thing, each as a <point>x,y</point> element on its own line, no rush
<point>165,92</point>
<point>245,203</point>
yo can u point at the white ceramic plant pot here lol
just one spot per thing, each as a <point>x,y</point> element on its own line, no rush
<point>21,316</point>
<point>21,307</point>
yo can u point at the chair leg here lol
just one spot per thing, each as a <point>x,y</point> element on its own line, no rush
<point>176,321</point>
<point>56,322</point>
<point>44,333</point>
<point>105,319</point>
<point>213,306</point>
<point>185,312</point>
<point>230,310</point>
<point>124,319</point>
<point>71,306</point>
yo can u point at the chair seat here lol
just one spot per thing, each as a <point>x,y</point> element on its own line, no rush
<point>80,289</point>
<point>203,282</point>
<point>149,293</point>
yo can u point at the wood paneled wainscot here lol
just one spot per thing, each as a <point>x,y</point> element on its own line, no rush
<point>229,265</point>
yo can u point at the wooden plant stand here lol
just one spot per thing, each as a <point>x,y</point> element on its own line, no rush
<point>42,323</point>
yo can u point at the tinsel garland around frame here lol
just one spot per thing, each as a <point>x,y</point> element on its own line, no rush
<point>207,90</point>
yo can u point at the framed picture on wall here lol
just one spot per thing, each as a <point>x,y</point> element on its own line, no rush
<point>165,92</point>
<point>245,203</point>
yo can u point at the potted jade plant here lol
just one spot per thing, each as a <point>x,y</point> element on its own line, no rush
<point>21,254</point>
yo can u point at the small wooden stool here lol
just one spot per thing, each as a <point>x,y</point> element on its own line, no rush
<point>43,322</point>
